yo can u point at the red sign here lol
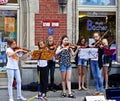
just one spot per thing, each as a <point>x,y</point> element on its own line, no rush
<point>3,2</point>
<point>50,23</point>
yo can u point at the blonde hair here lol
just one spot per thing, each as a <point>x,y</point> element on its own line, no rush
<point>105,42</point>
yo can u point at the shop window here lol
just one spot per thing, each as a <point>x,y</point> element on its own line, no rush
<point>90,22</point>
<point>97,2</point>
<point>12,1</point>
<point>8,29</point>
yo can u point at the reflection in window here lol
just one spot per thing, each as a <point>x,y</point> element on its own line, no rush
<point>12,1</point>
<point>89,22</point>
<point>97,2</point>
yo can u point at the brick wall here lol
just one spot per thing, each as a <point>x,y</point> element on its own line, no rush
<point>48,10</point>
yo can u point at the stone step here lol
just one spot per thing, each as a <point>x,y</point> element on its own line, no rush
<point>35,61</point>
<point>3,82</point>
<point>3,75</point>
<point>33,64</point>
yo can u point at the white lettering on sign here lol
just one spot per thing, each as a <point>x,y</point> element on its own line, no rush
<point>55,24</point>
<point>46,24</point>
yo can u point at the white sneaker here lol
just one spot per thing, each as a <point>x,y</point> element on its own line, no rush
<point>11,100</point>
<point>21,98</point>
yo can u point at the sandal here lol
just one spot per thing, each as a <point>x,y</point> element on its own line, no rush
<point>63,95</point>
<point>71,96</point>
<point>83,88</point>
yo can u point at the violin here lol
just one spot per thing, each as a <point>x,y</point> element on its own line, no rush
<point>24,49</point>
<point>69,45</point>
<point>52,47</point>
<point>98,43</point>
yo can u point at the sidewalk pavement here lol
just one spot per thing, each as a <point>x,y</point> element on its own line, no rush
<point>52,96</point>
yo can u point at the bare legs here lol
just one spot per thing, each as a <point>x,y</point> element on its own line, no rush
<point>66,78</point>
<point>81,77</point>
<point>105,75</point>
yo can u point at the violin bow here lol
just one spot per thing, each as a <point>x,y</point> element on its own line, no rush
<point>102,37</point>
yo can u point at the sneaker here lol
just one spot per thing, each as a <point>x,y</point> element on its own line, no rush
<point>11,100</point>
<point>21,98</point>
<point>97,92</point>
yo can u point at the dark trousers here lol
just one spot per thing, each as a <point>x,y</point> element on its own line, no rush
<point>51,69</point>
<point>43,79</point>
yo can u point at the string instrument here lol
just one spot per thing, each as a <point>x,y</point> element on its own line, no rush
<point>99,42</point>
<point>24,49</point>
<point>69,45</point>
<point>52,47</point>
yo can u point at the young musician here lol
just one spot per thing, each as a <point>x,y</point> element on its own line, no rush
<point>51,63</point>
<point>43,68</point>
<point>64,51</point>
<point>96,65</point>
<point>82,64</point>
<point>106,63</point>
<point>13,69</point>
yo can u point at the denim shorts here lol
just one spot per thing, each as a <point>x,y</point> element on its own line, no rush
<point>65,68</point>
<point>82,62</point>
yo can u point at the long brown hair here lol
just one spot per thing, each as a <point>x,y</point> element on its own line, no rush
<point>64,36</point>
<point>44,41</point>
<point>10,41</point>
<point>79,41</point>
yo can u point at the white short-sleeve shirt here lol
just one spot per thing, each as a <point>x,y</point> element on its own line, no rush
<point>11,62</point>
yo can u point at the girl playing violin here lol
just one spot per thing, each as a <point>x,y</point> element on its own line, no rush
<point>43,69</point>
<point>13,69</point>
<point>106,62</point>
<point>82,64</point>
<point>63,51</point>
<point>96,65</point>
<point>51,63</point>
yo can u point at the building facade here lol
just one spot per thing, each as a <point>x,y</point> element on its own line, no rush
<point>29,21</point>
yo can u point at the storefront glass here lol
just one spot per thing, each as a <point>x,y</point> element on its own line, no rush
<point>8,29</point>
<point>97,2</point>
<point>90,22</point>
<point>12,1</point>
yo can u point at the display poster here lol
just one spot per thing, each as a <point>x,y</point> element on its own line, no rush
<point>9,24</point>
